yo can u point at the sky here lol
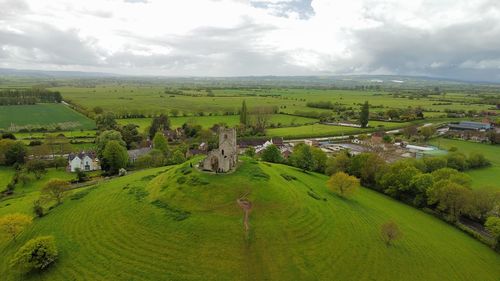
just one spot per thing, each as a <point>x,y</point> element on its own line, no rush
<point>457,39</point>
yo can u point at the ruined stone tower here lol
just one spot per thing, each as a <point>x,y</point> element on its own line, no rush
<point>224,158</point>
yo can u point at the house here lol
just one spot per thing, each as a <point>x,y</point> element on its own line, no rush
<point>134,154</point>
<point>85,161</point>
<point>224,158</point>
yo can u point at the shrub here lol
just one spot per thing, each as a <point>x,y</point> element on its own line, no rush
<point>37,253</point>
<point>38,208</point>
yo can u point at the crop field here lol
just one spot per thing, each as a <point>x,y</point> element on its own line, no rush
<point>230,120</point>
<point>485,177</point>
<point>150,225</point>
<point>136,99</point>
<point>42,115</point>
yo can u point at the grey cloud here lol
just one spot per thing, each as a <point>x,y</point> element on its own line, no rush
<point>40,43</point>
<point>442,52</point>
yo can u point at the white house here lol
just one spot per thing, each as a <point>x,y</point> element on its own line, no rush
<point>85,161</point>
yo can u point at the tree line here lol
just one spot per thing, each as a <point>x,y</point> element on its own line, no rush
<point>29,96</point>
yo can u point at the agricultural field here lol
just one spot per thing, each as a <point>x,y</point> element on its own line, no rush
<point>230,120</point>
<point>49,116</point>
<point>152,100</point>
<point>153,225</point>
<point>485,177</point>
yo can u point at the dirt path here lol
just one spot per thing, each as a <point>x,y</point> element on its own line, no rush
<point>246,205</point>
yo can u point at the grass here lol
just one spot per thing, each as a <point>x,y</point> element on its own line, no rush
<point>43,115</point>
<point>139,99</point>
<point>110,234</point>
<point>209,121</point>
<point>485,177</point>
<point>322,130</point>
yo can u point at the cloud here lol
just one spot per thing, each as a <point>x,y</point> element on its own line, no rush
<point>447,38</point>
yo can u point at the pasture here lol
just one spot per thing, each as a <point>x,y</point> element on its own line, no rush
<point>49,116</point>
<point>152,100</point>
<point>230,120</point>
<point>485,177</point>
<point>130,228</point>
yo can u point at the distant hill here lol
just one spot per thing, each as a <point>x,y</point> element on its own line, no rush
<point>177,223</point>
<point>340,81</point>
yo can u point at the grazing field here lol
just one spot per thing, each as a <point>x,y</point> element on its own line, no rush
<point>485,177</point>
<point>230,120</point>
<point>49,116</point>
<point>175,223</point>
<point>5,176</point>
<point>152,100</point>
<point>323,130</point>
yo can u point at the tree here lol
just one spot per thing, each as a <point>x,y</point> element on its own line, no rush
<point>159,123</point>
<point>131,135</point>
<point>272,154</point>
<point>419,185</point>
<point>302,157</point>
<point>36,167</point>
<point>60,162</point>
<point>410,131</point>
<point>160,143</point>
<point>114,157</point>
<point>80,175</point>
<point>483,203</point>
<point>37,253</point>
<point>338,163</point>
<point>427,132</point>
<point>244,114</point>
<point>178,157</point>
<point>396,181</point>
<point>250,151</point>
<point>390,232</point>
<point>55,189</point>
<point>434,163</point>
<point>38,208</point>
<point>98,110</point>
<point>103,138</point>
<point>477,160</point>
<point>364,115</point>
<point>457,161</point>
<point>343,184</point>
<point>106,121</point>
<point>174,112</point>
<point>15,153</point>
<point>319,159</point>
<point>493,226</point>
<point>5,145</point>
<point>449,197</point>
<point>13,224</point>
<point>373,164</point>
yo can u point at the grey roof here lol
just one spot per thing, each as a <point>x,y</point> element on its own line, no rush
<point>134,153</point>
<point>469,125</point>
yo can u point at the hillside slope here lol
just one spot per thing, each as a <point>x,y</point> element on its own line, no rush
<point>176,223</point>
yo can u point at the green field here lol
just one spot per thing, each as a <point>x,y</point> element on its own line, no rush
<point>151,100</point>
<point>43,115</point>
<point>485,177</point>
<point>116,233</point>
<point>231,120</point>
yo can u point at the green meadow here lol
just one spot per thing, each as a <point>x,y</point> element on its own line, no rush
<point>139,99</point>
<point>485,177</point>
<point>43,115</point>
<point>176,223</point>
<point>229,120</point>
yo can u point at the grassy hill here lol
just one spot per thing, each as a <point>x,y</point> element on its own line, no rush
<point>176,223</point>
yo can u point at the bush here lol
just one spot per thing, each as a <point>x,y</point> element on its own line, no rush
<point>37,253</point>
<point>38,208</point>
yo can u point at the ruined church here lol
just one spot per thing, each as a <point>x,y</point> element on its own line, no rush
<point>224,158</point>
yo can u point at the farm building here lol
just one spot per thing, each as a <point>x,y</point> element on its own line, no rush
<point>470,126</point>
<point>85,161</point>
<point>134,154</point>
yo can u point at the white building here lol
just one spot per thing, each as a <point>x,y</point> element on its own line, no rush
<point>85,161</point>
